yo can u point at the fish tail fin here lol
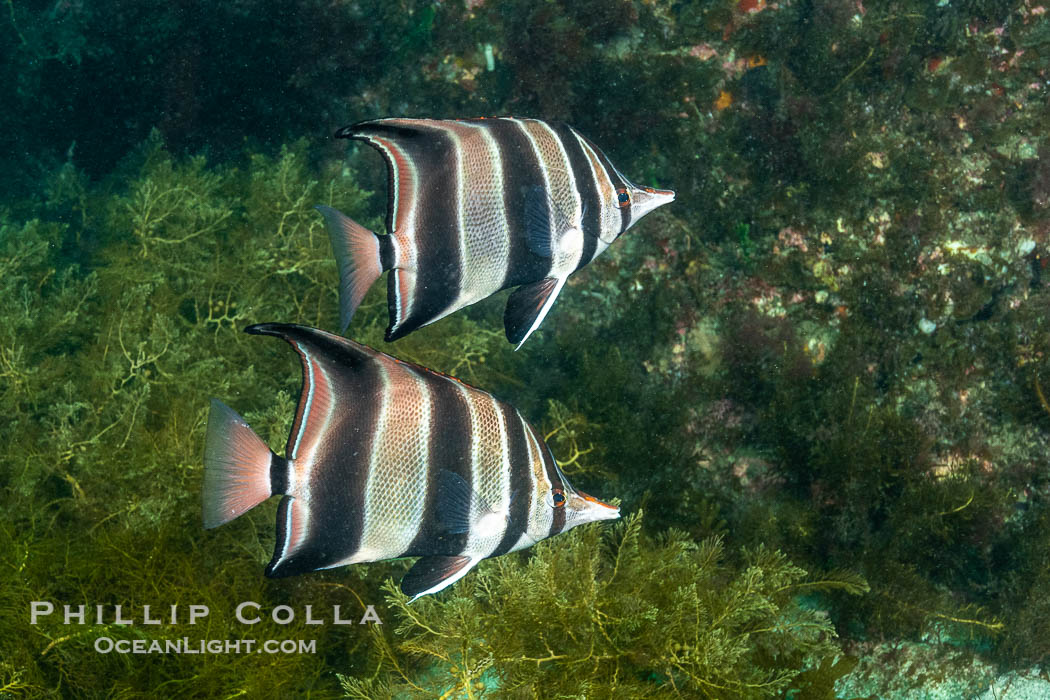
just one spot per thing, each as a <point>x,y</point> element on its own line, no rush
<point>237,467</point>
<point>357,252</point>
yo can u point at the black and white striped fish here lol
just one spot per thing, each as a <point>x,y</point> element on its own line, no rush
<point>387,459</point>
<point>480,205</point>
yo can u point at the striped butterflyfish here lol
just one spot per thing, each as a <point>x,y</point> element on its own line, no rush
<point>387,459</point>
<point>480,205</point>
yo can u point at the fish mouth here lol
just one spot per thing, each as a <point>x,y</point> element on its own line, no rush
<point>604,511</point>
<point>648,198</point>
<point>661,194</point>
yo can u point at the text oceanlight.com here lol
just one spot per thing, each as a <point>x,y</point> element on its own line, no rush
<point>185,645</point>
<point>107,617</point>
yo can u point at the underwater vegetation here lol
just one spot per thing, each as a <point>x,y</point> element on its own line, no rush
<point>104,366</point>
<point>635,616</point>
<point>822,372</point>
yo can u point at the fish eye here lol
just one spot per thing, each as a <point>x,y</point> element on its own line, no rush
<point>623,198</point>
<point>558,498</point>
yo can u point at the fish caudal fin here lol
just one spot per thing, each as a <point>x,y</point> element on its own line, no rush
<point>357,252</point>
<point>237,466</point>
<point>527,306</point>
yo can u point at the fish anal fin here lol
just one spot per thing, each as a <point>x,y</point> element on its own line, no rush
<point>400,296</point>
<point>527,306</point>
<point>291,555</point>
<point>434,573</point>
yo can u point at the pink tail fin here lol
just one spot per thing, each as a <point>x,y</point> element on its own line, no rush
<point>236,466</point>
<point>357,254</point>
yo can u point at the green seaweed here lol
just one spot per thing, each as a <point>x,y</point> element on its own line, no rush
<point>107,374</point>
<point>818,682</point>
<point>858,380</point>
<point>609,612</point>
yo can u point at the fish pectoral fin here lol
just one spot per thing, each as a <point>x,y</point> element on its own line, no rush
<point>459,506</point>
<point>434,573</point>
<point>539,236</point>
<point>527,307</point>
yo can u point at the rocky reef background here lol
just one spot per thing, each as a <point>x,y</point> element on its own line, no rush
<point>821,374</point>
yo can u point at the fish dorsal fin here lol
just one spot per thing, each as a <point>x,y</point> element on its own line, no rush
<point>334,368</point>
<point>461,509</point>
<point>434,573</point>
<point>413,149</point>
<point>527,307</point>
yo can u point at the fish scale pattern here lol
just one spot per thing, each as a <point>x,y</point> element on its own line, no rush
<point>397,481</point>
<point>485,245</point>
<point>559,171</point>
<point>488,467</point>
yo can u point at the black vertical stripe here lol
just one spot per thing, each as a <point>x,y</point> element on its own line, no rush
<point>521,487</point>
<point>587,188</point>
<point>450,439</point>
<point>300,409</point>
<point>338,470</point>
<point>522,173</point>
<point>360,132</point>
<point>435,217</point>
<point>337,486</point>
<point>278,474</point>
<point>386,252</point>
<point>550,467</point>
<point>558,524</point>
<point>617,182</point>
<point>438,229</point>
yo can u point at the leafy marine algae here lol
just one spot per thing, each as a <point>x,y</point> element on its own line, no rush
<point>892,410</point>
<point>609,612</point>
<point>847,433</point>
<point>124,302</point>
<point>106,364</point>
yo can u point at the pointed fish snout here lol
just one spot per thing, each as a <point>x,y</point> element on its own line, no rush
<point>600,510</point>
<point>648,198</point>
<point>666,196</point>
